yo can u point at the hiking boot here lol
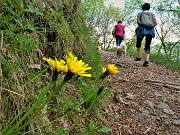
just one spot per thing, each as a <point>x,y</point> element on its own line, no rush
<point>146,64</point>
<point>137,59</point>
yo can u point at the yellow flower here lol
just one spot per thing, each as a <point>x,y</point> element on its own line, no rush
<point>98,47</point>
<point>77,66</point>
<point>104,69</point>
<point>109,79</point>
<point>58,66</point>
<point>111,69</point>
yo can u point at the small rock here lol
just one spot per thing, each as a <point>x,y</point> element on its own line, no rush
<point>165,100</point>
<point>174,116</point>
<point>141,109</point>
<point>106,110</point>
<point>176,122</point>
<point>119,99</point>
<point>129,131</point>
<point>158,118</point>
<point>144,115</point>
<point>163,116</point>
<point>124,80</point>
<point>178,100</point>
<point>157,94</point>
<point>166,122</point>
<point>148,129</point>
<point>35,66</point>
<point>149,103</point>
<point>162,105</point>
<point>134,104</point>
<point>168,111</point>
<point>165,108</point>
<point>130,96</point>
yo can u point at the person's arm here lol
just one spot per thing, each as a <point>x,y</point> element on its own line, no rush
<point>113,30</point>
<point>154,20</point>
<point>138,20</point>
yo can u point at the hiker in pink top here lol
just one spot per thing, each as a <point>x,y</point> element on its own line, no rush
<point>118,33</point>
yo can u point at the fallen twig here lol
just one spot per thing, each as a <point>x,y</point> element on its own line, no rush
<point>164,84</point>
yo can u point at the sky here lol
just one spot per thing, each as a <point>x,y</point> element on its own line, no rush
<point>115,3</point>
<point>120,3</point>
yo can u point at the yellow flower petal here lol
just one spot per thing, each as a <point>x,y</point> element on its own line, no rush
<point>51,62</point>
<point>61,66</point>
<point>104,69</point>
<point>77,66</point>
<point>58,66</point>
<point>110,69</point>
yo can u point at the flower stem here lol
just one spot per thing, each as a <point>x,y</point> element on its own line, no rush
<point>67,77</point>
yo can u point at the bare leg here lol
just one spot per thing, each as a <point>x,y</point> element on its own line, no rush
<point>147,57</point>
<point>138,52</point>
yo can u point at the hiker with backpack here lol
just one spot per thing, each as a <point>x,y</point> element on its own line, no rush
<point>146,22</point>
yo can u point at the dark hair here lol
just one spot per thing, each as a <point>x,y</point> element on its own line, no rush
<point>145,6</point>
<point>119,21</point>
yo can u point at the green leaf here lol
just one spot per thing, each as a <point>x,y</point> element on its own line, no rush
<point>60,131</point>
<point>92,127</point>
<point>104,129</point>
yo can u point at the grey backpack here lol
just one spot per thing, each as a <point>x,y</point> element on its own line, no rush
<point>147,18</point>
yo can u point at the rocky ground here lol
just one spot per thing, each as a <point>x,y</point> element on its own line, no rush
<point>145,100</point>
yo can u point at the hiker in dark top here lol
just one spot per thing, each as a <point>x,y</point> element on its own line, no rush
<point>147,32</point>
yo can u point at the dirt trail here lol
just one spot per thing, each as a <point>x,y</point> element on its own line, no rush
<point>145,100</point>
